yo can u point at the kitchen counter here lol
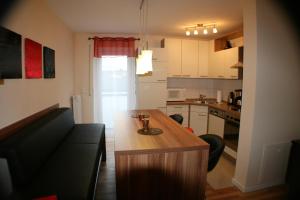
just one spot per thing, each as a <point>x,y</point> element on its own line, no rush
<point>222,106</point>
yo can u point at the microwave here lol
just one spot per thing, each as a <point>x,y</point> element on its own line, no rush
<point>176,94</point>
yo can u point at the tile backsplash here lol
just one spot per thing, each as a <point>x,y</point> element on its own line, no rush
<point>208,87</point>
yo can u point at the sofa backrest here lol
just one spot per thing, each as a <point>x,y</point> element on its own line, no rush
<point>30,148</point>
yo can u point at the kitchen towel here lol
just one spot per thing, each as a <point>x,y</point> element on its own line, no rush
<point>219,96</point>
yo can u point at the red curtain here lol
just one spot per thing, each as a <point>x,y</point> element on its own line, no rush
<point>109,46</point>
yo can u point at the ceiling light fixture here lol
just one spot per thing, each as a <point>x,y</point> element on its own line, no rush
<point>187,33</point>
<point>215,30</point>
<point>144,59</point>
<point>205,27</point>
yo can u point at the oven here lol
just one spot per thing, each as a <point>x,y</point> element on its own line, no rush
<point>231,133</point>
<point>227,126</point>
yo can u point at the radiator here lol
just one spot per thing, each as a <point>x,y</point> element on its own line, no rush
<point>76,106</point>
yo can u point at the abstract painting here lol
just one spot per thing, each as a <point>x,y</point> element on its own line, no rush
<point>49,62</point>
<point>33,59</point>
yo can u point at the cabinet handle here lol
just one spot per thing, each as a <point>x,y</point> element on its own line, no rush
<point>162,80</point>
<point>202,115</point>
<point>154,59</point>
<point>176,75</point>
<point>186,75</point>
<point>177,107</point>
<point>203,76</point>
<point>221,76</point>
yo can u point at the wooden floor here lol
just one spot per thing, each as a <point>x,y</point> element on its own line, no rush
<point>106,189</point>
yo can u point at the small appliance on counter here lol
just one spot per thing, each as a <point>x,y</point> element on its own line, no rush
<point>176,94</point>
<point>235,99</point>
<point>238,97</point>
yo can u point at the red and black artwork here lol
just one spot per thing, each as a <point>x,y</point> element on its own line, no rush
<point>33,59</point>
<point>49,62</point>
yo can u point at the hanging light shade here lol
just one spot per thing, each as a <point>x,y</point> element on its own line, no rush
<point>205,31</point>
<point>144,62</point>
<point>147,60</point>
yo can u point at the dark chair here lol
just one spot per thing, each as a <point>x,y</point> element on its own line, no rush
<point>177,117</point>
<point>216,148</point>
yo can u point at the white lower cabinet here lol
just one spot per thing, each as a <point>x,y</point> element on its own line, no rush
<point>180,109</point>
<point>198,119</point>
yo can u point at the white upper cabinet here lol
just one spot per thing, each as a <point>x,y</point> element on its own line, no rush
<point>197,59</point>
<point>220,63</point>
<point>159,65</point>
<point>203,59</point>
<point>187,58</point>
<point>159,73</point>
<point>216,64</point>
<point>173,49</point>
<point>231,57</point>
<point>159,55</point>
<point>189,53</point>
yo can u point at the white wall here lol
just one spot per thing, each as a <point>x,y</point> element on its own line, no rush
<point>270,112</point>
<point>22,97</point>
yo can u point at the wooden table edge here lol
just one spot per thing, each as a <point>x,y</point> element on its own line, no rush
<point>166,150</point>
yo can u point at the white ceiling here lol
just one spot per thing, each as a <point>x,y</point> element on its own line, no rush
<point>165,17</point>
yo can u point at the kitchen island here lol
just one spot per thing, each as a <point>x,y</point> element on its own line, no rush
<point>171,165</point>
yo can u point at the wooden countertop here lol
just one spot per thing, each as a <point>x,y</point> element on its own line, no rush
<point>173,138</point>
<point>223,106</point>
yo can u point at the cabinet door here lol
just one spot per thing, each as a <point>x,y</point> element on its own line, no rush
<point>216,69</point>
<point>189,65</point>
<point>173,48</point>
<point>230,59</point>
<point>203,59</point>
<point>159,54</point>
<point>216,125</point>
<point>198,119</point>
<point>179,109</point>
<point>151,95</point>
<point>198,122</point>
<point>159,73</point>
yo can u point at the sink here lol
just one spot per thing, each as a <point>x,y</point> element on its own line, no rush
<point>206,101</point>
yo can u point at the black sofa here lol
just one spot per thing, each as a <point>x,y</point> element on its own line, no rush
<point>52,156</point>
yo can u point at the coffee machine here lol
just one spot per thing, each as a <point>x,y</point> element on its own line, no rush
<point>235,99</point>
<point>238,97</point>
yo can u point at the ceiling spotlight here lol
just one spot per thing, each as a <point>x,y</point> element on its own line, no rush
<point>205,31</point>
<point>195,32</point>
<point>215,30</point>
<point>187,33</point>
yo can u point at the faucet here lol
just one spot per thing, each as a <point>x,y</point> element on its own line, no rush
<point>201,98</point>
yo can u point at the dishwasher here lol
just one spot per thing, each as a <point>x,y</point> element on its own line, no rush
<point>216,122</point>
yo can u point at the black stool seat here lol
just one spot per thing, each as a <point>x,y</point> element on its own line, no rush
<point>216,148</point>
<point>177,117</point>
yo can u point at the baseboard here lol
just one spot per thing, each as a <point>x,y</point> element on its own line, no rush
<point>253,187</point>
<point>238,184</point>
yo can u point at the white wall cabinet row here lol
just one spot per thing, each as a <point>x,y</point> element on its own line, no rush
<point>187,58</point>
<point>196,59</point>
